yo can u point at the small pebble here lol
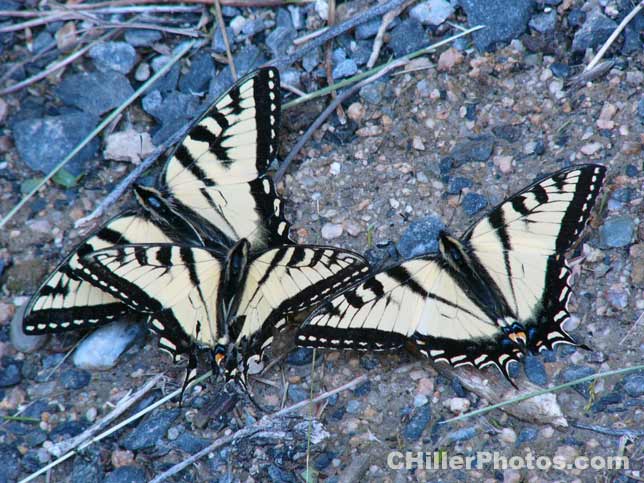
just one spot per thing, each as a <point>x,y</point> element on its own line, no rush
<point>617,231</point>
<point>331,231</point>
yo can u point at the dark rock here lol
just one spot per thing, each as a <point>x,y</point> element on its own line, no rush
<point>196,80</point>
<point>457,184</point>
<point>35,409</point>
<point>420,237</point>
<point>189,443</point>
<point>66,430</point>
<point>253,27</point>
<point>476,149</point>
<point>88,468</point>
<point>247,59</point>
<point>634,385</point>
<point>228,11</point>
<point>362,52</point>
<point>407,37</point>
<point>632,34</point>
<point>43,41</point>
<point>473,203</point>
<point>623,195</point>
<point>75,378</point>
<point>535,370</point>
<point>445,165</point>
<point>609,399</point>
<point>95,93</point>
<point>631,171</point>
<point>419,420</point>
<point>297,393</point>
<point>508,132</point>
<point>594,32</point>
<point>283,19</point>
<point>35,438</point>
<point>150,430</point>
<point>576,17</point>
<point>527,435</point>
<point>219,45</point>
<point>458,388</point>
<point>323,460</point>
<point>57,136</point>
<point>300,356</point>
<point>338,55</point>
<point>504,20</point>
<point>283,476</point>
<point>545,22</point>
<point>311,60</point>
<point>10,467</point>
<point>173,112</point>
<point>362,390</point>
<point>142,37</point>
<point>126,474</point>
<point>560,70</point>
<point>617,231</point>
<point>10,373</point>
<point>573,372</point>
<point>279,40</point>
<point>640,109</point>
<point>167,82</point>
<point>118,56</point>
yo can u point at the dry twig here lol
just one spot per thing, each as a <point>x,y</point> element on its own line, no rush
<point>386,21</point>
<point>224,34</point>
<point>267,423</point>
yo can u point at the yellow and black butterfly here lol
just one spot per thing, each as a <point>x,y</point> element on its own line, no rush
<point>207,255</point>
<point>501,289</point>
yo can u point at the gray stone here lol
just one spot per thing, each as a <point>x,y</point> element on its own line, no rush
<point>419,420</point>
<point>291,77</point>
<point>168,82</point>
<point>408,37</point>
<point>173,112</point>
<point>432,12</point>
<point>283,19</point>
<point>368,29</point>
<point>253,27</point>
<point>372,93</point>
<point>312,59</point>
<point>346,68</point>
<point>142,37</point>
<point>20,340</point>
<point>96,92</point>
<point>57,136</point>
<point>150,430</point>
<point>634,385</point>
<point>219,45</point>
<point>75,379</point>
<point>473,203</point>
<point>126,474</point>
<point>504,20</point>
<point>10,374</point>
<point>421,237</point>
<point>544,22</point>
<point>573,372</point>
<point>10,458</point>
<point>102,348</point>
<point>457,184</point>
<point>594,31</point>
<point>297,393</point>
<point>196,80</point>
<point>617,231</point>
<point>463,434</point>
<point>535,370</point>
<point>88,468</point>
<point>279,40</point>
<point>118,56</point>
<point>477,149</point>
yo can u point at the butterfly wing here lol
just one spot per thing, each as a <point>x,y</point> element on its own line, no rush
<point>286,280</point>
<point>216,177</point>
<point>65,301</point>
<point>521,244</point>
<point>518,248</point>
<point>176,285</point>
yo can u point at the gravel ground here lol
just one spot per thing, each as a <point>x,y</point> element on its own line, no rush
<point>435,146</point>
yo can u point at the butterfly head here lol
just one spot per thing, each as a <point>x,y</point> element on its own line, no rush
<point>516,333</point>
<point>225,360</point>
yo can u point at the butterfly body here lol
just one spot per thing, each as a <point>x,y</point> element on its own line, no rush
<point>486,298</point>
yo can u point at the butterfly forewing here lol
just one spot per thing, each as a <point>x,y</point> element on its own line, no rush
<point>216,175</point>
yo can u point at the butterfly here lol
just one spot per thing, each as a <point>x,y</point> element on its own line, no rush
<point>213,225</point>
<point>485,298</point>
<point>194,194</point>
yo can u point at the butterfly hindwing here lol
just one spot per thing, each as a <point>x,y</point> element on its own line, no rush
<point>504,284</point>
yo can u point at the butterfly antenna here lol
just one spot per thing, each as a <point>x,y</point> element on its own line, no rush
<point>191,372</point>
